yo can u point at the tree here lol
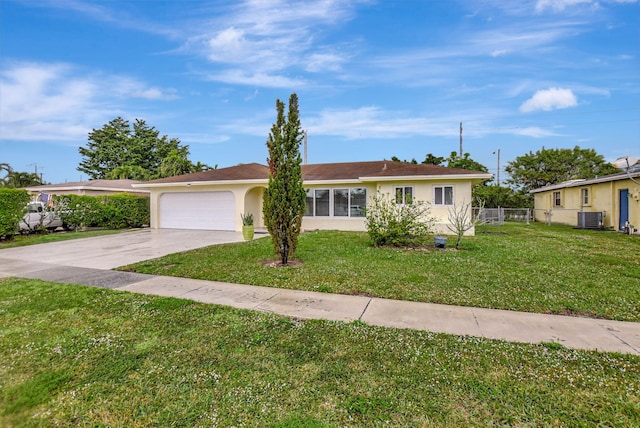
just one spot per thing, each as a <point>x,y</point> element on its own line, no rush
<point>461,220</point>
<point>430,159</point>
<point>465,162</point>
<point>284,198</point>
<point>17,179</point>
<point>552,166</point>
<point>116,145</point>
<point>494,196</point>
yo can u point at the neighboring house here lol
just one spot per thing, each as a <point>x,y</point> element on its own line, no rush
<point>617,196</point>
<point>337,194</point>
<point>91,188</point>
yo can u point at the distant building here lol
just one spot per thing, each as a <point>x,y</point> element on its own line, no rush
<point>617,196</point>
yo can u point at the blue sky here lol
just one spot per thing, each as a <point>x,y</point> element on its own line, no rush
<point>375,79</point>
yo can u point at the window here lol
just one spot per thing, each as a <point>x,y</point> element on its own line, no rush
<point>404,195</point>
<point>341,202</point>
<point>322,202</point>
<point>336,202</point>
<point>557,199</point>
<point>584,193</point>
<point>443,195</point>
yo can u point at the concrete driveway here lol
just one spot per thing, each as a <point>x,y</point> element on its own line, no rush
<point>109,251</point>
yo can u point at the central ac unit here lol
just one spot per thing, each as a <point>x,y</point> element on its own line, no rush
<point>591,220</point>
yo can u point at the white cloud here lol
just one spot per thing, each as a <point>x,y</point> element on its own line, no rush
<point>57,102</point>
<point>560,5</point>
<point>550,99</point>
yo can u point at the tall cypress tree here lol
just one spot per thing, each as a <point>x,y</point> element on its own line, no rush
<point>284,198</point>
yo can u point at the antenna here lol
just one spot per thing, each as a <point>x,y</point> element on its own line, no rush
<point>626,162</point>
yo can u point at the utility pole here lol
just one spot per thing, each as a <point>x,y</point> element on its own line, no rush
<point>35,165</point>
<point>498,167</point>
<point>498,174</point>
<point>305,148</point>
<point>460,154</point>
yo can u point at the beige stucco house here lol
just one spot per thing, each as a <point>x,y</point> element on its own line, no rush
<point>337,194</point>
<point>90,188</point>
<point>617,196</point>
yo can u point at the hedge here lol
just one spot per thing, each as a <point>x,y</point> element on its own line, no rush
<point>12,208</point>
<point>111,211</point>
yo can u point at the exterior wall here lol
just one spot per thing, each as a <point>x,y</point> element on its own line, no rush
<point>249,199</point>
<point>603,197</point>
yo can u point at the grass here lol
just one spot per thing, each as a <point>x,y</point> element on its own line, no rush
<point>78,356</point>
<point>533,268</point>
<point>43,238</point>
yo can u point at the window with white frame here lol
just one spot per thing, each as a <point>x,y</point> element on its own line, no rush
<point>585,197</point>
<point>443,195</point>
<point>347,202</point>
<point>557,199</point>
<point>404,195</point>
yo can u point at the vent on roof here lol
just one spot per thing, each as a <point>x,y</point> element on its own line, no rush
<point>591,220</point>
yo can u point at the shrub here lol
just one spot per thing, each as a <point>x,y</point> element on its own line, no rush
<point>12,207</point>
<point>112,211</point>
<point>389,223</point>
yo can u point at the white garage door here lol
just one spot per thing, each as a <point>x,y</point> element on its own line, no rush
<point>201,210</point>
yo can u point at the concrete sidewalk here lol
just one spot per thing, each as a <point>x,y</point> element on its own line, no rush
<point>573,332</point>
<point>86,261</point>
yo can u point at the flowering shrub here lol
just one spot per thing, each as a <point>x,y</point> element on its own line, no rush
<point>389,223</point>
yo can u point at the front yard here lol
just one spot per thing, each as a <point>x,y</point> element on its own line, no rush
<point>79,356</point>
<point>534,268</point>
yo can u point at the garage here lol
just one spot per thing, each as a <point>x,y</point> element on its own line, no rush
<point>201,210</point>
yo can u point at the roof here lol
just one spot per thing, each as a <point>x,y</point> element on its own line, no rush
<point>587,182</point>
<point>104,185</point>
<point>363,171</point>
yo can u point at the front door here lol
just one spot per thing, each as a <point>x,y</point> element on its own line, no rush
<point>624,208</point>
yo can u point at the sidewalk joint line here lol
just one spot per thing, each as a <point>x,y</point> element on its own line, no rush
<point>365,309</point>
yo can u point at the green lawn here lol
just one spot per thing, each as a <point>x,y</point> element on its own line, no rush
<point>42,238</point>
<point>75,356</point>
<point>534,268</point>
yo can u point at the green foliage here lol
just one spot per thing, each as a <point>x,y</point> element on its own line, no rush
<point>284,198</point>
<point>552,166</point>
<point>429,159</point>
<point>17,179</point>
<point>111,211</point>
<point>464,162</point>
<point>389,223</point>
<point>247,219</point>
<point>12,207</point>
<point>116,145</point>
<point>495,196</point>
<point>131,172</point>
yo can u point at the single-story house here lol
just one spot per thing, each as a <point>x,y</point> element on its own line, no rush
<point>616,196</point>
<point>337,194</point>
<point>91,188</point>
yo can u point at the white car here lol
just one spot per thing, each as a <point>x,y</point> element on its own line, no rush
<point>37,217</point>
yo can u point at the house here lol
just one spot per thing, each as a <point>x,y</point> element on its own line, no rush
<point>337,194</point>
<point>616,195</point>
<point>91,188</point>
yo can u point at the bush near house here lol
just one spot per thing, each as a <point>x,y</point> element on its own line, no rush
<point>12,206</point>
<point>112,211</point>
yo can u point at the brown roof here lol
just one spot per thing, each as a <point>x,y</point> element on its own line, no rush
<point>354,170</point>
<point>323,171</point>
<point>89,185</point>
<point>249,171</point>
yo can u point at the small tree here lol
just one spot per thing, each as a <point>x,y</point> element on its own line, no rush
<point>389,223</point>
<point>461,219</point>
<point>284,198</point>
